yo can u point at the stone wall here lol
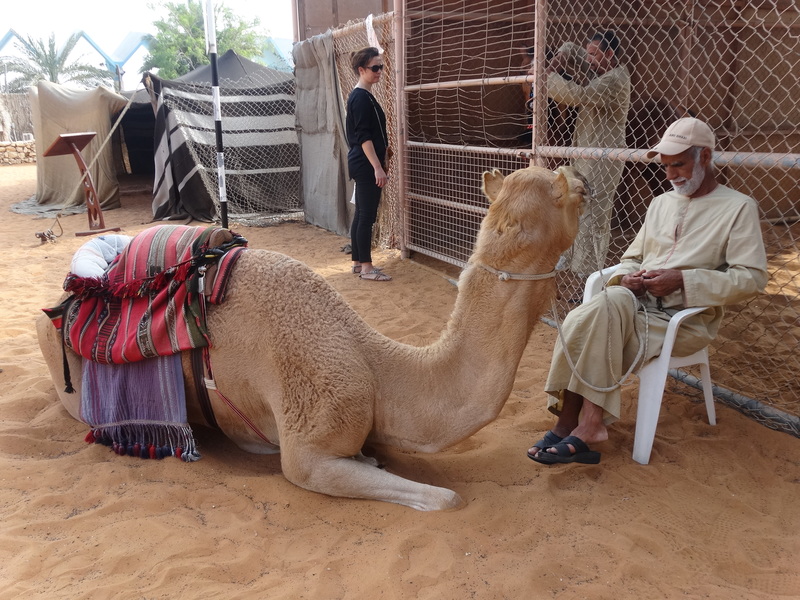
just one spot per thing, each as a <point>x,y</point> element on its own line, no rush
<point>15,153</point>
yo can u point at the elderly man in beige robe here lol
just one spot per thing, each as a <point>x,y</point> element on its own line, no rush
<point>603,104</point>
<point>700,245</point>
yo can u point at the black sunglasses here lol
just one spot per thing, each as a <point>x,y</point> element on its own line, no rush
<point>375,68</point>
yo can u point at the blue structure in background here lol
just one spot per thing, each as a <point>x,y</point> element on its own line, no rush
<point>276,55</point>
<point>129,46</point>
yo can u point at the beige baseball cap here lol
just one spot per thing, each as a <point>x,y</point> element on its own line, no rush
<point>682,135</point>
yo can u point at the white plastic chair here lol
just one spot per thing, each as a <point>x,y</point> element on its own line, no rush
<point>653,375</point>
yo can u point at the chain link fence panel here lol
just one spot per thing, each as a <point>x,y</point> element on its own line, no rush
<point>465,105</point>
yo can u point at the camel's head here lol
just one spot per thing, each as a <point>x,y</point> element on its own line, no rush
<point>533,211</point>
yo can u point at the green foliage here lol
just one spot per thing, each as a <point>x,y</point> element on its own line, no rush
<point>45,61</point>
<point>179,45</point>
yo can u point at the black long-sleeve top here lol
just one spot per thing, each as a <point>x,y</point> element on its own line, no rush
<point>365,121</point>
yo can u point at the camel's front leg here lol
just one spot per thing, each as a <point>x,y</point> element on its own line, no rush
<point>368,460</point>
<point>353,478</point>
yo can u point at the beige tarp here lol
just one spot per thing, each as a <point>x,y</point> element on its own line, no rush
<point>320,119</point>
<point>56,110</point>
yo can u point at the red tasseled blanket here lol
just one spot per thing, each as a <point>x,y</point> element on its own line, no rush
<point>149,303</point>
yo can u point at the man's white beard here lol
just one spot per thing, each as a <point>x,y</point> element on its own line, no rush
<point>690,186</point>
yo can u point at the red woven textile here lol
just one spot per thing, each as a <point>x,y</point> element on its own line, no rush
<point>148,303</point>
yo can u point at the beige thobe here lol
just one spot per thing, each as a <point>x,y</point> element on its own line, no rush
<point>601,121</point>
<point>715,240</point>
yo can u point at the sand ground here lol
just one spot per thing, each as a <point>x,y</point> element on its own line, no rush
<point>715,515</point>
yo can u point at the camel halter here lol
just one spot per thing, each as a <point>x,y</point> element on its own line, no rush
<point>505,275</point>
<point>638,360</point>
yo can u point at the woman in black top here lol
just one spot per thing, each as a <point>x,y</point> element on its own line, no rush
<point>367,139</point>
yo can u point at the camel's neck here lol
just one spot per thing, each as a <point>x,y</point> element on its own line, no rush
<point>492,320</point>
<point>457,385</point>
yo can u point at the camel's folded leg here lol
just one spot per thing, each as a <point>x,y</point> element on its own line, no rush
<point>369,460</point>
<point>350,478</point>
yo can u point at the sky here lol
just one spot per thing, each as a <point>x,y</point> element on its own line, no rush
<point>108,22</point>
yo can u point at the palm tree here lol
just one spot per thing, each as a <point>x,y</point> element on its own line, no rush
<point>44,60</point>
<point>179,46</point>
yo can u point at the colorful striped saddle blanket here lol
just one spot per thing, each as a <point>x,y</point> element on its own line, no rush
<point>151,300</point>
<point>129,325</point>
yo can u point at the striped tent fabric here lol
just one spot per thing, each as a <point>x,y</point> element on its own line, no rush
<point>260,141</point>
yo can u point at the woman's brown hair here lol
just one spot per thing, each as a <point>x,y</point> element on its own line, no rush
<point>361,58</point>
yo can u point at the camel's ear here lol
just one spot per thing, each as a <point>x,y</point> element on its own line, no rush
<point>560,187</point>
<point>492,184</point>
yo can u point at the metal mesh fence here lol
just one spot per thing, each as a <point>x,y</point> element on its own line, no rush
<point>468,108</point>
<point>465,94</point>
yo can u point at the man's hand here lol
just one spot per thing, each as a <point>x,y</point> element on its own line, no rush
<point>659,282</point>
<point>557,64</point>
<point>662,282</point>
<point>634,282</point>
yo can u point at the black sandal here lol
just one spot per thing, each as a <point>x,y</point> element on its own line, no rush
<point>549,440</point>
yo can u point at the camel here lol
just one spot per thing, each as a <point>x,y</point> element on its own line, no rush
<point>320,383</point>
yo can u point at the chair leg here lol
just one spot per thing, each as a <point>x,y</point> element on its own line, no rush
<point>651,390</point>
<point>705,375</point>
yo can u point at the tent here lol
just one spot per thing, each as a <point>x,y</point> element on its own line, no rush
<point>55,110</point>
<point>138,131</point>
<point>320,115</point>
<point>261,148</point>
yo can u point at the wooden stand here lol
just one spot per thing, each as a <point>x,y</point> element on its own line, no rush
<point>73,143</point>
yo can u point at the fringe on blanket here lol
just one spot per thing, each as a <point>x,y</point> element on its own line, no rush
<point>147,440</point>
<point>138,409</point>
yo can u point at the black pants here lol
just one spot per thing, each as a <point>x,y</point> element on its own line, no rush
<point>368,196</point>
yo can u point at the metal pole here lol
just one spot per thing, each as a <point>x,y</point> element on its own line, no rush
<point>539,117</point>
<point>211,42</point>
<point>401,120</point>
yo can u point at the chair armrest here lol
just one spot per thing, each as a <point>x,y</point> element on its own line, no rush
<point>596,281</point>
<point>674,323</point>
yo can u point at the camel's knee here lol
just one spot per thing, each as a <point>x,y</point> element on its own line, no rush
<point>369,460</point>
<point>303,467</point>
<point>332,475</point>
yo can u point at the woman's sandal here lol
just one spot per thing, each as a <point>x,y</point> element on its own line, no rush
<point>357,269</point>
<point>375,275</point>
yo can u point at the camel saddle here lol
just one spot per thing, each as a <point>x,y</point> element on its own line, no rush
<point>152,299</point>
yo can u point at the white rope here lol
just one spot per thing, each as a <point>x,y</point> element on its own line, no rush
<point>637,360</point>
<point>505,275</point>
